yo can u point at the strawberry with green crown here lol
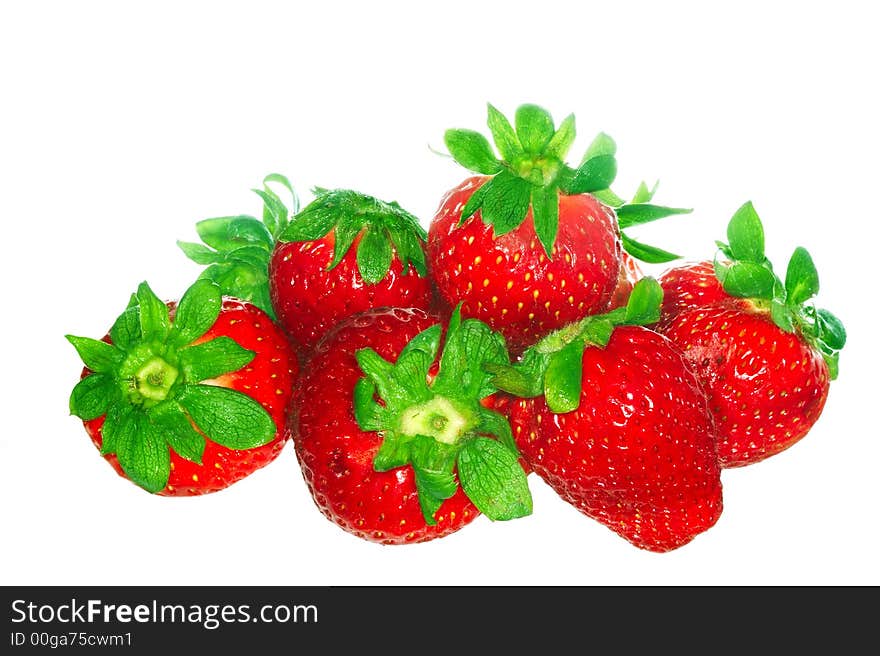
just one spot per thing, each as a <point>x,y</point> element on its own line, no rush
<point>532,244</point>
<point>393,429</point>
<point>615,421</point>
<point>186,398</point>
<point>345,252</point>
<point>763,350</point>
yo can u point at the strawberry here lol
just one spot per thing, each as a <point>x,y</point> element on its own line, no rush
<point>619,426</point>
<point>343,253</point>
<point>186,398</point>
<point>764,352</point>
<point>528,245</point>
<point>395,442</point>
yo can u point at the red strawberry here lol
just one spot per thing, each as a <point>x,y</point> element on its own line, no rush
<point>344,253</point>
<point>186,398</point>
<point>623,432</point>
<point>385,432</point>
<point>763,351</point>
<point>528,246</point>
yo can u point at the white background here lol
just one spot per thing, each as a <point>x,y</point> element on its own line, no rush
<point>125,123</point>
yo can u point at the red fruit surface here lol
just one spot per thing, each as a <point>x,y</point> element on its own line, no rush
<point>766,387</point>
<point>638,454</point>
<point>509,282</point>
<point>309,299</point>
<point>269,379</point>
<point>336,456</point>
<point>692,285</point>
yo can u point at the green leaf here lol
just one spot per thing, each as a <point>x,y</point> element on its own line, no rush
<point>374,255</point>
<point>493,479</point>
<point>830,329</point>
<point>393,452</point>
<point>469,346</point>
<point>745,235</point>
<point>643,305</point>
<point>602,145</point>
<point>608,197</point>
<point>562,139</point>
<point>646,253</point>
<point>475,202</point>
<point>92,395</point>
<point>596,173</point>
<point>126,330</point>
<point>177,430</point>
<point>746,279</point>
<point>116,418</point>
<point>226,233</point>
<point>155,321</point>
<point>781,315</point>
<point>347,229</point>
<point>472,150</point>
<point>534,128</point>
<point>314,221</point>
<point>598,329</point>
<point>367,413</point>
<point>505,138</point>
<point>643,194</point>
<point>562,382</point>
<point>199,253</point>
<point>545,212</point>
<point>639,213</point>
<point>213,358</point>
<point>228,417</point>
<point>833,362</point>
<point>197,311</point>
<point>410,250</point>
<point>433,488</point>
<point>495,424</point>
<point>277,178</point>
<point>143,453</point>
<point>97,355</point>
<point>506,202</point>
<point>801,278</point>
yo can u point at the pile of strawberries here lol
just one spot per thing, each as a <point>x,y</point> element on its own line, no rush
<point>424,375</point>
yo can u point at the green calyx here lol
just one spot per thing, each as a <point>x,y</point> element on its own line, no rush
<point>383,228</point>
<point>531,172</point>
<point>236,249</point>
<point>531,169</point>
<point>439,428</point>
<point>553,367</point>
<point>744,271</point>
<point>150,382</point>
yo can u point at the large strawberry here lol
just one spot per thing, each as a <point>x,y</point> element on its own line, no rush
<point>186,398</point>
<point>395,441</point>
<point>619,426</point>
<point>532,244</point>
<point>344,253</point>
<point>764,352</point>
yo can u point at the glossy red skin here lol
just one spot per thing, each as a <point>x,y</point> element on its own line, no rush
<point>309,300</point>
<point>508,282</point>
<point>638,455</point>
<point>630,274</point>
<point>766,387</point>
<point>269,379</point>
<point>692,285</point>
<point>336,456</point>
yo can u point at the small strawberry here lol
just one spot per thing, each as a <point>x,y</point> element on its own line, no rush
<point>619,426</point>
<point>532,244</point>
<point>344,253</point>
<point>395,442</point>
<point>186,398</point>
<point>764,352</point>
